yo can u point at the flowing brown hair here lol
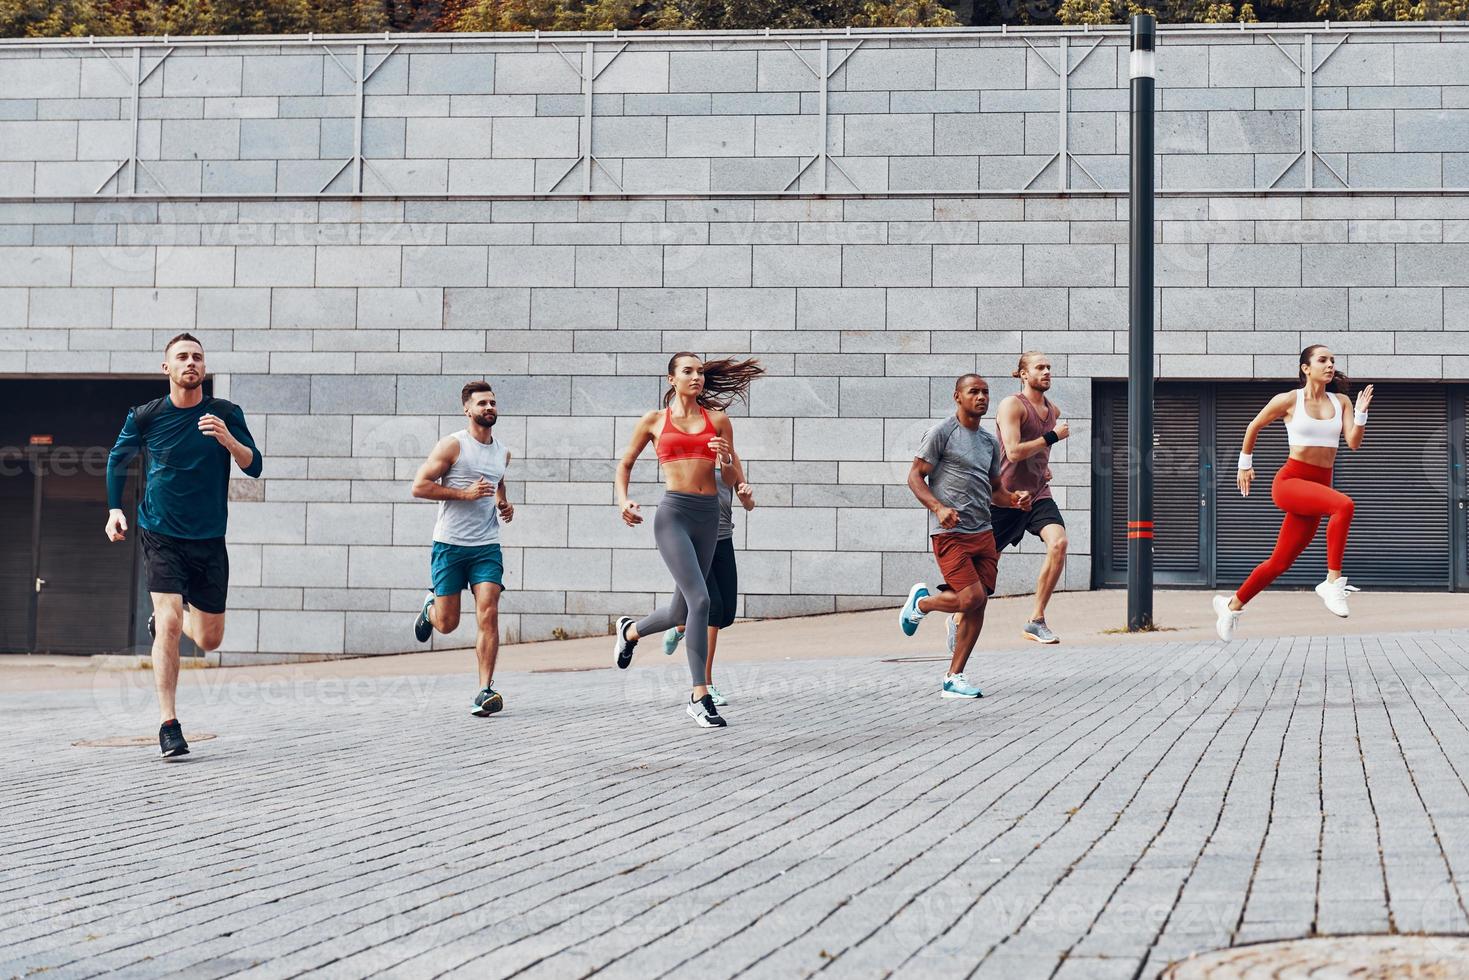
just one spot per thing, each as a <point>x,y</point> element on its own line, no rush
<point>1339,382</point>
<point>725,380</point>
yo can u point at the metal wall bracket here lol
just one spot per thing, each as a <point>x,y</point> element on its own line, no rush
<point>132,163</point>
<point>1062,69</point>
<point>823,77</point>
<point>1307,66</point>
<point>588,72</point>
<point>359,76</point>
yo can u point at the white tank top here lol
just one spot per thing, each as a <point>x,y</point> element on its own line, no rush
<point>471,522</point>
<point>1303,430</point>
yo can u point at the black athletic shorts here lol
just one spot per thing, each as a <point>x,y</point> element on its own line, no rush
<point>198,570</point>
<point>1012,523</point>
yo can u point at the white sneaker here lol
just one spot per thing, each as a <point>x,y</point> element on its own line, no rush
<point>1227,618</point>
<point>953,631</point>
<point>1334,594</point>
<point>705,714</point>
<point>719,699</point>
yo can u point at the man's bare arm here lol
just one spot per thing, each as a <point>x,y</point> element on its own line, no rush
<point>426,485</point>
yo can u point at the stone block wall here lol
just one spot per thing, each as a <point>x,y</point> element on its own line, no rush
<point>734,114</point>
<point>345,326</point>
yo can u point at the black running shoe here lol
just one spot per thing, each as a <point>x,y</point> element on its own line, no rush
<point>171,742</point>
<point>423,628</point>
<point>705,714</point>
<point>486,703</point>
<point>623,647</point>
<point>152,630</point>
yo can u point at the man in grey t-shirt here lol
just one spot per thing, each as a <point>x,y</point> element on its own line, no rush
<point>956,475</point>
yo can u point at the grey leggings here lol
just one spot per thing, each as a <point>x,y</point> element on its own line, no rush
<point>685,528</point>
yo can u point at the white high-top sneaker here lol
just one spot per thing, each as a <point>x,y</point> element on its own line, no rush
<point>1226,618</point>
<point>1334,594</point>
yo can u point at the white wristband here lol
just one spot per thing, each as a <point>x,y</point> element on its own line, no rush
<point>1246,461</point>
<point>1360,418</point>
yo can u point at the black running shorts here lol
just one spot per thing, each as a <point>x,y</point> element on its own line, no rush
<point>1012,523</point>
<point>197,569</point>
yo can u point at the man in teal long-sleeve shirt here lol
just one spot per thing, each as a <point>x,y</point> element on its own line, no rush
<point>181,519</point>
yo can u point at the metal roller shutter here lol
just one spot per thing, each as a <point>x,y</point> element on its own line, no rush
<point>1461,473</point>
<point>1399,480</point>
<point>1177,540</point>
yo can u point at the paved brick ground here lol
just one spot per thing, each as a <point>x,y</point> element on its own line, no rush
<point>1101,812</point>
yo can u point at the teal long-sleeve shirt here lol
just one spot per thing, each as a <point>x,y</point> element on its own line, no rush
<point>187,493</point>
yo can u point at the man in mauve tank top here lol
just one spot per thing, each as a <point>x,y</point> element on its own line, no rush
<point>1030,424</point>
<point>465,473</point>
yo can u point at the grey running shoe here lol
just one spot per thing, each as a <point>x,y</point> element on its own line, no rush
<point>1038,631</point>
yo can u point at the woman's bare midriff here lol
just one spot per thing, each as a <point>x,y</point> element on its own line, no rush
<point>1314,456</point>
<point>690,476</point>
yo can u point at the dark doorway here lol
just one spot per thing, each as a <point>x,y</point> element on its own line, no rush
<point>63,587</point>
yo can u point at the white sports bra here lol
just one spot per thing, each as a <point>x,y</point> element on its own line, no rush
<point>1303,430</point>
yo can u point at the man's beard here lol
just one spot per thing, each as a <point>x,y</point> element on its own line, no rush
<point>488,421</point>
<point>189,384</point>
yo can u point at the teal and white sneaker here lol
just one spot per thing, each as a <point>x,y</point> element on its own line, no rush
<point>719,699</point>
<point>958,686</point>
<point>671,639</point>
<point>910,614</point>
<point>486,703</point>
<point>423,627</point>
<point>953,629</point>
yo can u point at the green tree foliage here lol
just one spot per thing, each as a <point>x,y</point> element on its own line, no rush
<point>82,18</point>
<point>696,15</point>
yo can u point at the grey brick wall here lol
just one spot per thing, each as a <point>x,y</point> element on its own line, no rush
<point>925,111</point>
<point>345,327</point>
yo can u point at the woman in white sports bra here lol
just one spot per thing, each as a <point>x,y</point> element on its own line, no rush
<point>1315,421</point>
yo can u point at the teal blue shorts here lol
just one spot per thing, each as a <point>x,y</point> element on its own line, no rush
<point>456,567</point>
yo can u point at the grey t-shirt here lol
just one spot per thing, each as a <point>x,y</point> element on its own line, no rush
<point>966,467</point>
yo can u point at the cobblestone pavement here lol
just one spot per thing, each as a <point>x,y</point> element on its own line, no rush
<point>1100,813</point>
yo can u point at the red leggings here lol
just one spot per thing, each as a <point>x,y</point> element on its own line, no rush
<point>1304,492</point>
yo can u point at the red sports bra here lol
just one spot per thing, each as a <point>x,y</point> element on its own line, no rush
<point>674,443</point>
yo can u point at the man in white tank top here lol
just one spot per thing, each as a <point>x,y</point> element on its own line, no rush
<point>465,473</point>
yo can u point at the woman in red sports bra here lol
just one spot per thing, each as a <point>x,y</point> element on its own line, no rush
<point>690,432</point>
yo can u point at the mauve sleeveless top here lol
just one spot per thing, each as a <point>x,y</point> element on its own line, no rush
<point>1030,473</point>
